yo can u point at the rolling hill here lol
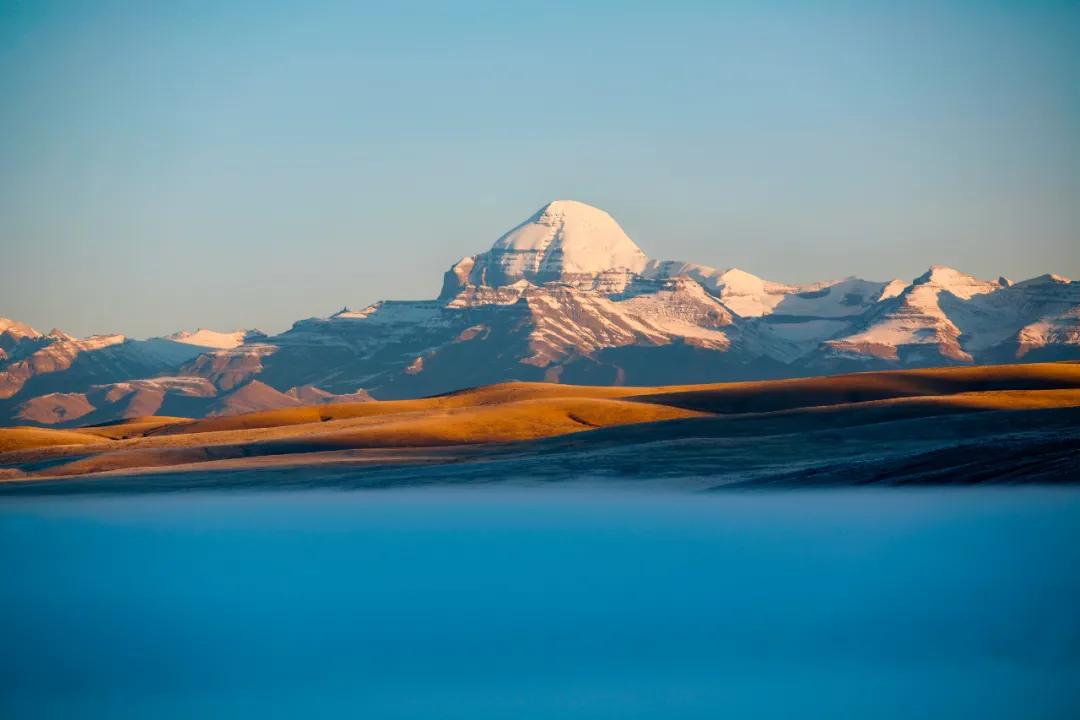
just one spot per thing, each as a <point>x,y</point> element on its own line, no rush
<point>821,429</point>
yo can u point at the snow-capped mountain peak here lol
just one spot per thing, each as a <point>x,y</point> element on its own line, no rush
<point>958,283</point>
<point>1051,278</point>
<point>740,282</point>
<point>17,329</point>
<point>588,239</point>
<point>563,238</point>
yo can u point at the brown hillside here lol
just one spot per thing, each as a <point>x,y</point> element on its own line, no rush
<point>511,413</point>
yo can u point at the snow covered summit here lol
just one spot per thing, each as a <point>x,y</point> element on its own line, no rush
<point>563,239</point>
<point>567,236</point>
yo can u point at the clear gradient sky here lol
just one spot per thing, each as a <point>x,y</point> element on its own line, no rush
<point>168,165</point>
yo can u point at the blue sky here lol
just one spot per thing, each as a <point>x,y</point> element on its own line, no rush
<point>183,164</point>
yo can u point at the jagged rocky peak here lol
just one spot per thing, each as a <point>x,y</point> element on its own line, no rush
<point>565,239</point>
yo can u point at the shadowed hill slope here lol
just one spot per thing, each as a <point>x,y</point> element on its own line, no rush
<point>732,423</point>
<point>772,395</point>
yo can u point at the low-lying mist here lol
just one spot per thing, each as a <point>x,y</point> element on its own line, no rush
<point>482,603</point>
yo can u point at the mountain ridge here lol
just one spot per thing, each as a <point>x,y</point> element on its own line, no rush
<point>565,296</point>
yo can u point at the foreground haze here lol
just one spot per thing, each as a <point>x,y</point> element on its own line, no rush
<point>481,604</point>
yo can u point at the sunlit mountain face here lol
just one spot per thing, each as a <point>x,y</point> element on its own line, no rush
<point>567,297</point>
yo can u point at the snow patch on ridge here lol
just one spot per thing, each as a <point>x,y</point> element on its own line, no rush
<point>212,338</point>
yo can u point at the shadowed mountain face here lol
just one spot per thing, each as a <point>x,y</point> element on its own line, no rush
<point>568,297</point>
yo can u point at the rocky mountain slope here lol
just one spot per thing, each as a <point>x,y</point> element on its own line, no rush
<point>566,296</point>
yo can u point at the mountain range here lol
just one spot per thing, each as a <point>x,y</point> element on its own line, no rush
<point>565,297</point>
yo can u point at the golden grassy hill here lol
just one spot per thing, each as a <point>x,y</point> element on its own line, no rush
<point>771,395</point>
<point>22,438</point>
<point>516,412</point>
<point>132,427</point>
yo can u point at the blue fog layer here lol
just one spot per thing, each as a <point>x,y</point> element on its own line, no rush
<point>481,604</point>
